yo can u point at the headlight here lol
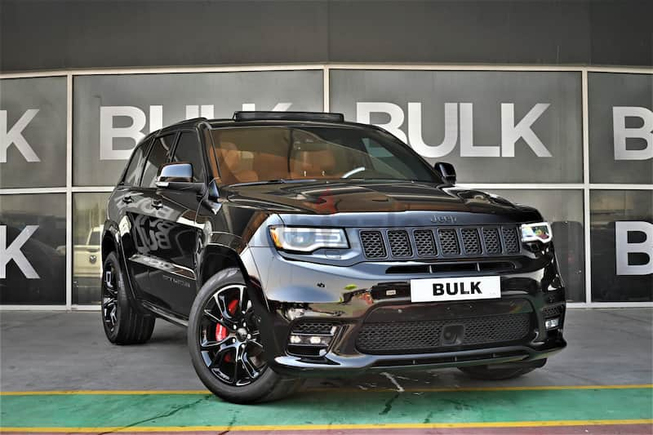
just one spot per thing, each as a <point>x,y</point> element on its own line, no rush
<point>539,232</point>
<point>308,239</point>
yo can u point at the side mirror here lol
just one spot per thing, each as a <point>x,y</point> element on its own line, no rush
<point>177,176</point>
<point>446,171</point>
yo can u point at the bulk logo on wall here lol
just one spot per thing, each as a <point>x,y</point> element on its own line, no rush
<point>109,131</point>
<point>642,232</point>
<point>623,246</point>
<point>630,124</point>
<point>459,127</point>
<point>14,135</point>
<point>622,133</point>
<point>13,252</point>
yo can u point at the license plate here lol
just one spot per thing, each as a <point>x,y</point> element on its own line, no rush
<point>455,289</point>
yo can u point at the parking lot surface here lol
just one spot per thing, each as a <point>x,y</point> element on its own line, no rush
<point>59,374</point>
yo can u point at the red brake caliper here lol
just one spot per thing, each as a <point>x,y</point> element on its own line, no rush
<point>232,306</point>
<point>220,331</point>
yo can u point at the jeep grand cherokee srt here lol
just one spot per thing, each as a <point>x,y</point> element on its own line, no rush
<point>298,244</point>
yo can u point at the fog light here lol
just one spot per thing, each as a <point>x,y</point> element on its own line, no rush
<point>311,338</point>
<point>315,340</point>
<point>552,323</point>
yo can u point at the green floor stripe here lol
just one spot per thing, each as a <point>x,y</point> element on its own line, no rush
<point>326,408</point>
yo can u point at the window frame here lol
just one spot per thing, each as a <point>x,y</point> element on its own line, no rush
<point>201,149</point>
<point>160,135</point>
<point>145,142</point>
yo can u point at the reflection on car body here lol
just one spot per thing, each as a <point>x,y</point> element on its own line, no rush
<point>285,259</point>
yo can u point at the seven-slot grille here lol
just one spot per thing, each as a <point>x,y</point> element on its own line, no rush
<point>440,242</point>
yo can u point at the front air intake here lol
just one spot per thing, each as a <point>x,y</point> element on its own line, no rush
<point>428,336</point>
<point>311,338</point>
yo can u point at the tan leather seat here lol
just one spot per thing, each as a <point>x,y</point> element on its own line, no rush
<point>270,166</point>
<point>229,160</point>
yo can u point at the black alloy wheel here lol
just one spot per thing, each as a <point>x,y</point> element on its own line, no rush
<point>229,338</point>
<point>225,344</point>
<point>123,322</point>
<point>110,307</point>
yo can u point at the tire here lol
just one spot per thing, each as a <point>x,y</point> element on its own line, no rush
<point>123,322</point>
<point>489,373</point>
<point>224,344</point>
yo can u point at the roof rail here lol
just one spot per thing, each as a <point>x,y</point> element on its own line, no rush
<point>288,116</point>
<point>191,121</point>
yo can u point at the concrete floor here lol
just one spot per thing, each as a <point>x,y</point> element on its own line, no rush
<point>55,351</point>
<point>68,351</point>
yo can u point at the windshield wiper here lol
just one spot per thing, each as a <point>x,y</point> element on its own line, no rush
<point>277,181</point>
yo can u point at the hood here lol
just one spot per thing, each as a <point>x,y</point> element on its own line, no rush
<point>359,196</point>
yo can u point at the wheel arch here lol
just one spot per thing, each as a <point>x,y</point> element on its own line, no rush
<point>109,243</point>
<point>216,258</point>
<point>219,257</point>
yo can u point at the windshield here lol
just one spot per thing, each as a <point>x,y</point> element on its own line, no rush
<point>259,154</point>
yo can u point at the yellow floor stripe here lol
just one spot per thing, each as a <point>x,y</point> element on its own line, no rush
<point>507,424</point>
<point>469,389</point>
<point>100,392</point>
<point>334,389</point>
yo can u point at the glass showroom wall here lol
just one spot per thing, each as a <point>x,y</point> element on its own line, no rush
<point>577,143</point>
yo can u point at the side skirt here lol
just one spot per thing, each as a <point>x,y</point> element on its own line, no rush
<point>166,315</point>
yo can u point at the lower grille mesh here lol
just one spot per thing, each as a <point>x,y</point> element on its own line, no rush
<point>426,336</point>
<point>312,328</point>
<point>554,311</point>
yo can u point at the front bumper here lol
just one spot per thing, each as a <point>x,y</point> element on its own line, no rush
<point>354,365</point>
<point>292,292</point>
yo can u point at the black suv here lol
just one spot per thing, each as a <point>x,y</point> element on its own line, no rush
<point>298,244</point>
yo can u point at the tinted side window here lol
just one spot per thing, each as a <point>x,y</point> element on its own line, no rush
<point>158,156</point>
<point>188,150</point>
<point>133,172</point>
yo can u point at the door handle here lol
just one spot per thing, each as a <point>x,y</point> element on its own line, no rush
<point>157,203</point>
<point>127,199</point>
